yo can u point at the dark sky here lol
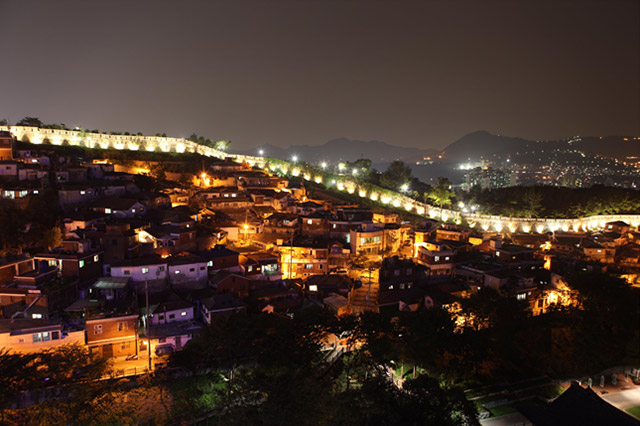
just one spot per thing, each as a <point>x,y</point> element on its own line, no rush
<point>419,74</point>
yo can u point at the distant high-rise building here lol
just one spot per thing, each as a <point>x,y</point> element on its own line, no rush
<point>488,178</point>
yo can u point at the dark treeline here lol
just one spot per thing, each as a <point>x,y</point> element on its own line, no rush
<point>554,202</point>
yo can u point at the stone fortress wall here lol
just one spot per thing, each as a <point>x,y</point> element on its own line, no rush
<point>483,222</point>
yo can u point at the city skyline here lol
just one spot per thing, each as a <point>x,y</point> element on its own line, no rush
<point>417,75</point>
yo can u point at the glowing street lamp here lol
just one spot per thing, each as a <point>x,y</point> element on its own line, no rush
<point>294,158</point>
<point>261,152</point>
<point>404,187</point>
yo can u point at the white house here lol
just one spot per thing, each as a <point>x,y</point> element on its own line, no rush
<point>141,269</point>
<point>187,269</point>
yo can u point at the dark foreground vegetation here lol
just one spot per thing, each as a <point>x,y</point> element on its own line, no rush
<point>269,369</point>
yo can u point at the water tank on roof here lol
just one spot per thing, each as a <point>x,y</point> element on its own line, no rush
<point>43,266</point>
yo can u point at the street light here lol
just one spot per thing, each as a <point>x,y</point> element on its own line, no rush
<point>261,152</point>
<point>404,187</point>
<point>294,158</point>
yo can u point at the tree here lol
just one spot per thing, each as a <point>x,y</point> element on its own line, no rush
<point>441,194</point>
<point>30,121</point>
<point>222,145</point>
<point>11,224</point>
<point>532,201</point>
<point>72,368</point>
<point>52,238</point>
<point>396,175</point>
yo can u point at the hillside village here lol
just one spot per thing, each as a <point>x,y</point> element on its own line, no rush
<point>136,266</point>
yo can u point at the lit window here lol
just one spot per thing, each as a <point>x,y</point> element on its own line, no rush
<point>313,287</point>
<point>183,313</point>
<point>145,270</point>
<point>308,266</point>
<point>210,263</point>
<point>82,263</point>
<point>177,272</point>
<point>107,211</point>
<point>436,258</point>
<point>521,296</point>
<point>96,258</point>
<point>309,221</point>
<point>36,316</point>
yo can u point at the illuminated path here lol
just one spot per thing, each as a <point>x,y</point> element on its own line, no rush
<point>316,174</point>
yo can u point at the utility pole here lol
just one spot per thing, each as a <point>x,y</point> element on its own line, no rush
<point>146,322</point>
<point>291,257</point>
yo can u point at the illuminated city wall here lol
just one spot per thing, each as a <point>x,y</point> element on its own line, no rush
<point>342,183</point>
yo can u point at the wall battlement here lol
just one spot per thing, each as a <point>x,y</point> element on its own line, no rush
<point>482,222</point>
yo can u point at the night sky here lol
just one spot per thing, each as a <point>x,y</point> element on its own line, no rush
<point>418,74</point>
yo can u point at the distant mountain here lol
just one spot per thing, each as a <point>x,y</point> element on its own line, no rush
<point>484,145</point>
<point>344,149</point>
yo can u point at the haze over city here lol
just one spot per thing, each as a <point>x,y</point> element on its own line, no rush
<point>418,74</point>
<point>320,212</point>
